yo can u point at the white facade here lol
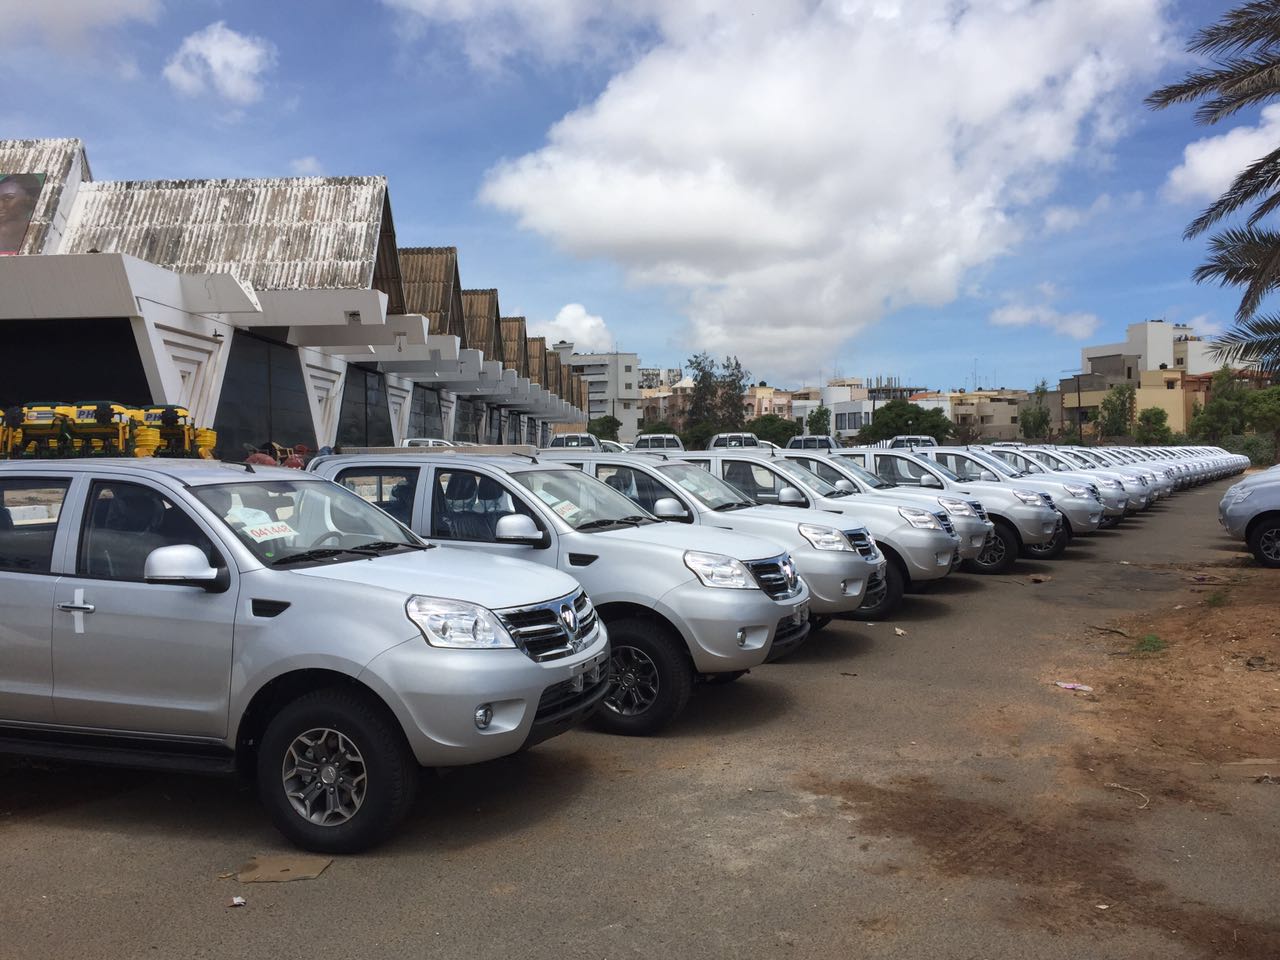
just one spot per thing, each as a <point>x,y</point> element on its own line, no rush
<point>1154,342</point>
<point>613,386</point>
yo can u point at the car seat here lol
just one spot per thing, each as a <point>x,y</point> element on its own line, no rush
<point>739,475</point>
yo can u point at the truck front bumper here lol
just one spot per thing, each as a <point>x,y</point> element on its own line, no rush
<point>729,630</point>
<point>837,579</point>
<point>973,533</point>
<point>1035,523</point>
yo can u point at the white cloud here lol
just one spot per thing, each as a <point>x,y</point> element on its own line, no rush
<point>798,173</point>
<point>1205,325</point>
<point>68,21</point>
<point>1209,165</point>
<point>1081,326</point>
<point>1062,218</point>
<point>231,63</point>
<point>308,166</point>
<point>586,331</point>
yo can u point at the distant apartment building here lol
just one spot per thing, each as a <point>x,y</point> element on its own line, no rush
<point>763,400</point>
<point>612,385</point>
<point>1153,345</point>
<point>655,378</point>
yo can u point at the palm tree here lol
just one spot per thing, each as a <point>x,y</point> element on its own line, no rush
<point>1244,48</point>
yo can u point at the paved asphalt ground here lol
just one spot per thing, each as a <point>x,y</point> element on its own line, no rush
<point>916,796</point>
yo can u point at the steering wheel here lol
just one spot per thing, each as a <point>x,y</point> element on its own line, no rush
<point>334,535</point>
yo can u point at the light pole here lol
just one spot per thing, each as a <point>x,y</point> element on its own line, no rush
<point>1079,409</point>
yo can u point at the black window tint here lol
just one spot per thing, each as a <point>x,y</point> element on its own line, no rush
<point>392,490</point>
<point>124,522</point>
<point>29,510</point>
<point>636,486</point>
<point>467,506</point>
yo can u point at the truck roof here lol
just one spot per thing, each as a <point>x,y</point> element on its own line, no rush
<point>191,472</point>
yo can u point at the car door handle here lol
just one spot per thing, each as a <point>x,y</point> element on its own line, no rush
<point>77,607</point>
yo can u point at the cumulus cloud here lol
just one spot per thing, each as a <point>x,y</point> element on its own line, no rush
<point>587,332</point>
<point>795,174</point>
<point>68,21</point>
<point>308,166</point>
<point>217,57</point>
<point>1209,165</point>
<point>1081,326</point>
<point>1061,219</point>
<point>1206,326</point>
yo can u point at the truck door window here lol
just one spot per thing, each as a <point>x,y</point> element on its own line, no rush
<point>633,484</point>
<point>898,470</point>
<point>29,510</point>
<point>391,490</point>
<point>467,506</point>
<point>124,522</point>
<point>757,482</point>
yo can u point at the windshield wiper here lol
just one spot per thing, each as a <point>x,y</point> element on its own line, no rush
<point>320,553</point>
<point>381,546</point>
<point>733,505</point>
<point>612,522</point>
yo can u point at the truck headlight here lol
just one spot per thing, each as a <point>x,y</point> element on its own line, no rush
<point>459,625</point>
<point>922,519</point>
<point>1027,497</point>
<point>716,570</point>
<point>957,508</point>
<point>1112,484</point>
<point>1243,495</point>
<point>1076,491</point>
<point>824,538</point>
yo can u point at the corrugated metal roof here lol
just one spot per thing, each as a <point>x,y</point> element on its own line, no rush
<point>276,234</point>
<point>538,360</point>
<point>554,371</point>
<point>515,345</point>
<point>433,288</point>
<point>53,158</point>
<point>481,312</point>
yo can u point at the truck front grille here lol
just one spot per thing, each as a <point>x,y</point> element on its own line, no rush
<point>568,695</point>
<point>543,631</point>
<point>947,525</point>
<point>777,577</point>
<point>861,541</point>
<point>979,509</point>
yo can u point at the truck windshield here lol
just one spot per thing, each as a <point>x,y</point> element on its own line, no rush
<point>582,501</point>
<point>995,463</point>
<point>304,521</point>
<point>708,490</point>
<point>862,475</point>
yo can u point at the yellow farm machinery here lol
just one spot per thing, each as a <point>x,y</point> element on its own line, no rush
<point>102,428</point>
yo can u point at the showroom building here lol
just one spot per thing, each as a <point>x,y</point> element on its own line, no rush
<point>276,310</point>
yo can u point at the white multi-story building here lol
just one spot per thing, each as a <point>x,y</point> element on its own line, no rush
<point>613,386</point>
<point>1156,345</point>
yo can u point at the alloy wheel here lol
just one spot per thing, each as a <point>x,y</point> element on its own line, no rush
<point>635,682</point>
<point>324,777</point>
<point>1269,544</point>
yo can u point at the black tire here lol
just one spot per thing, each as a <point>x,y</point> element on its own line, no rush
<point>1109,523</point>
<point>1264,542</point>
<point>390,771</point>
<point>1000,553</point>
<point>1051,550</point>
<point>884,602</point>
<point>652,678</point>
<point>817,622</point>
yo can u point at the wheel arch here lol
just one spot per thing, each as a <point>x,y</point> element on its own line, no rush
<point>1255,522</point>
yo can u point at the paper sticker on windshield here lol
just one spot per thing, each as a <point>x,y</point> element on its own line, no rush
<point>565,509</point>
<point>550,499</point>
<point>276,530</point>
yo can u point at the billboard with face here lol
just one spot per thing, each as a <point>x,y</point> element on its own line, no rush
<point>18,195</point>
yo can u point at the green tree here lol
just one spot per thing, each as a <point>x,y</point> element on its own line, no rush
<point>773,428</point>
<point>1243,48</point>
<point>657,426</point>
<point>605,428</point>
<point>899,417</point>
<point>731,385</point>
<point>1262,407</point>
<point>1223,415</point>
<point>1115,413</point>
<point>706,392</point>
<point>1152,427</point>
<point>818,423</point>
<point>1033,419</point>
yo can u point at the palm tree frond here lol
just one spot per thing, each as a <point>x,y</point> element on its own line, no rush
<point>1261,176</point>
<point>1256,340</point>
<point>1246,257</point>
<point>1255,24</point>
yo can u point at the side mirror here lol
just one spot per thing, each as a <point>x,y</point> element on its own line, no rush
<point>845,486</point>
<point>929,480</point>
<point>791,497</point>
<point>519,529</point>
<point>987,476</point>
<point>184,565</point>
<point>669,508</point>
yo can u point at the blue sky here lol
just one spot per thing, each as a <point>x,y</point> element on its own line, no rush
<point>764,185</point>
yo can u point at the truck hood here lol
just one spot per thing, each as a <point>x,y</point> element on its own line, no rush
<point>489,580</point>
<point>783,518</point>
<point>680,536</point>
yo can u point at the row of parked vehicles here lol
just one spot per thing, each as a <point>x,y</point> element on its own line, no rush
<point>330,631</point>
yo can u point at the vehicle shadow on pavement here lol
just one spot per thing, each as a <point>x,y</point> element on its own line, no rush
<point>460,807</point>
<point>954,585</point>
<point>838,642</point>
<point>756,700</point>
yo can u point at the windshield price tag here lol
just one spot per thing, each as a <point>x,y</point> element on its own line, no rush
<point>277,530</point>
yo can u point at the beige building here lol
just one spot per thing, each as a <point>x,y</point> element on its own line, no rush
<point>987,415</point>
<point>762,400</point>
<point>1173,391</point>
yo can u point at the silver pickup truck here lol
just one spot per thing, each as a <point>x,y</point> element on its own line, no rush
<point>210,617</point>
<point>1021,518</point>
<point>680,604</point>
<point>1250,511</point>
<point>919,545</point>
<point>837,559</point>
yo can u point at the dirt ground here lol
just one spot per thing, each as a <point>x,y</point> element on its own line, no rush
<point>926,794</point>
